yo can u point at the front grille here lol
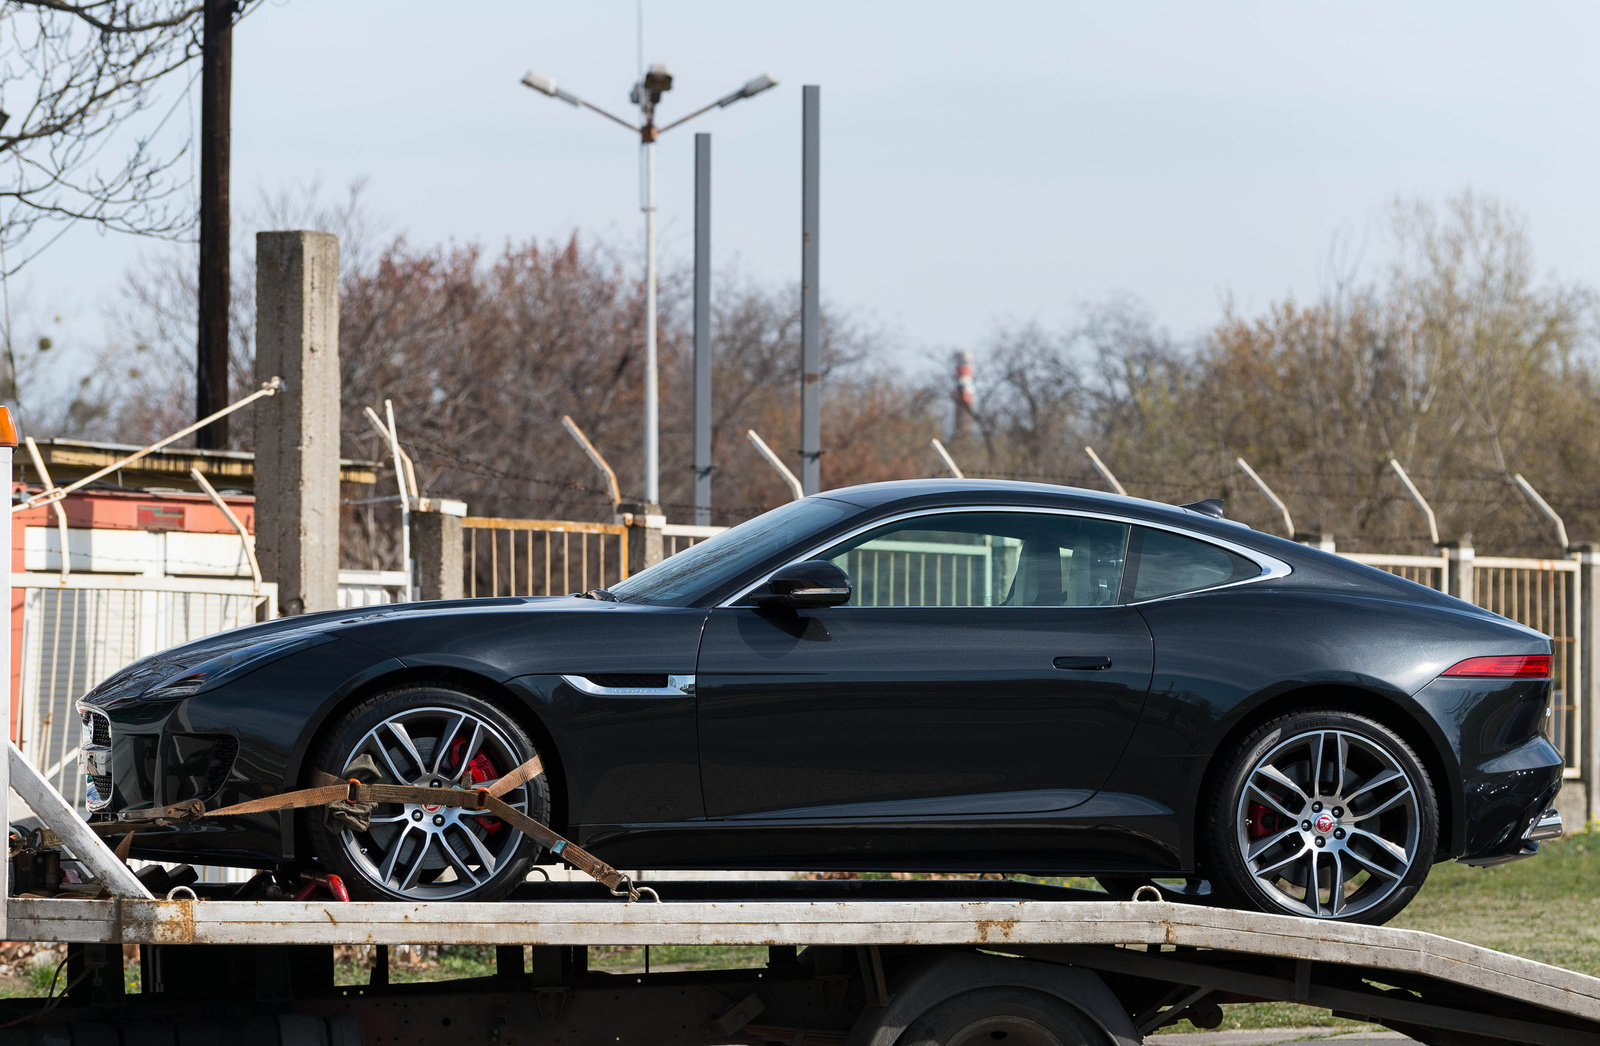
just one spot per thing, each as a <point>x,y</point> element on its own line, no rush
<point>98,796</point>
<point>96,729</point>
<point>94,756</point>
<point>221,763</point>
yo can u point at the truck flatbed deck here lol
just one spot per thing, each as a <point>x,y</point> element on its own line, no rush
<point>1160,959</point>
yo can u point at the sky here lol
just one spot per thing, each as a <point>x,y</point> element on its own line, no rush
<point>982,164</point>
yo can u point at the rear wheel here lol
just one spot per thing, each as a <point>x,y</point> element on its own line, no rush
<point>1002,1017</point>
<point>1323,814</point>
<point>429,737</point>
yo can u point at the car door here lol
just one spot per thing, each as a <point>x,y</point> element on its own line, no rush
<point>982,666</point>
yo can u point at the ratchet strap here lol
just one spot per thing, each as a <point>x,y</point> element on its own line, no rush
<point>328,789</point>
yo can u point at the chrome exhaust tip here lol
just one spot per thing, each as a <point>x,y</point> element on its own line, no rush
<point>1546,826</point>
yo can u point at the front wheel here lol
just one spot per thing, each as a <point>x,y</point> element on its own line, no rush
<point>1323,814</point>
<point>429,737</point>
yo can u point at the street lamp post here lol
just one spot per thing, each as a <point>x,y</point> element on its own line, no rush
<point>647,95</point>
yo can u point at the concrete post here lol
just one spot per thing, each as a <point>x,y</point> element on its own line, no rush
<point>644,523</point>
<point>1582,807</point>
<point>297,431</point>
<point>1459,583</point>
<point>441,563</point>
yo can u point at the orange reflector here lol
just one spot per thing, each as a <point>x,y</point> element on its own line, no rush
<point>8,428</point>
<point>1504,666</point>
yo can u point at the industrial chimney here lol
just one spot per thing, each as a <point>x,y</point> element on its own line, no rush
<point>964,395</point>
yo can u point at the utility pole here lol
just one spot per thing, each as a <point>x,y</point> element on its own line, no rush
<point>810,311</point>
<point>702,330</point>
<point>216,91</point>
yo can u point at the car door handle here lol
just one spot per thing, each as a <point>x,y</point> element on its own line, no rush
<point>1083,664</point>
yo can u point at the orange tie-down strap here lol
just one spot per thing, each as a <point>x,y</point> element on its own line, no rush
<point>329,790</point>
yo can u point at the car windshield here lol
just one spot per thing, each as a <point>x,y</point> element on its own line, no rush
<point>715,562</point>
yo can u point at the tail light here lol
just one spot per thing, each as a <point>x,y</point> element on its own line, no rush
<point>1503,666</point>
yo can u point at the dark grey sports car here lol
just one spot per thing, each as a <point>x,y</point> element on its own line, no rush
<point>928,675</point>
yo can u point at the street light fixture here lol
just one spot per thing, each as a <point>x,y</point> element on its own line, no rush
<point>646,95</point>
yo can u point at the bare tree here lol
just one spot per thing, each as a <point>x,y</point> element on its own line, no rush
<point>82,140</point>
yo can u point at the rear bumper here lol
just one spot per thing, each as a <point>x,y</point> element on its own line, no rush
<point>1508,804</point>
<point>1546,826</point>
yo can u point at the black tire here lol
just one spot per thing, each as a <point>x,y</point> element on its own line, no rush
<point>1264,842</point>
<point>1003,1017</point>
<point>436,859</point>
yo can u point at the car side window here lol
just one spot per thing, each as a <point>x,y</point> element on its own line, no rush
<point>1161,563</point>
<point>973,559</point>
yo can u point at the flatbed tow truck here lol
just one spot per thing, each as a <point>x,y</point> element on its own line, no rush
<point>861,963</point>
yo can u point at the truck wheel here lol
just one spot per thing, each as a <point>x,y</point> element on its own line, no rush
<point>428,736</point>
<point>1005,1016</point>
<point>1323,814</point>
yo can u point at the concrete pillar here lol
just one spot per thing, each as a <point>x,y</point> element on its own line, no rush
<point>441,563</point>
<point>1459,583</point>
<point>297,431</point>
<point>644,523</point>
<point>1579,801</point>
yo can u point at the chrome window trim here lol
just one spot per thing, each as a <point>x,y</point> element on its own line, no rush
<point>1271,566</point>
<point>677,686</point>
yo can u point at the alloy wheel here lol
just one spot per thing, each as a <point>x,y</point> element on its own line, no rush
<point>429,852</point>
<point>1328,824</point>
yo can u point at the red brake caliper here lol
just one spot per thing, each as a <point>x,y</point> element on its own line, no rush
<point>481,769</point>
<point>1264,821</point>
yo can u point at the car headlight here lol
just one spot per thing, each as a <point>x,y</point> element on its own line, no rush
<point>226,667</point>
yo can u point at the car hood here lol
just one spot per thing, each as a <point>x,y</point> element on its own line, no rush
<point>148,671</point>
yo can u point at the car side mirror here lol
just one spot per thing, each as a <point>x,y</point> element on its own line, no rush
<point>810,584</point>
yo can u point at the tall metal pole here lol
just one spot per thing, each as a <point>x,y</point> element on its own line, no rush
<point>702,330</point>
<point>810,312</point>
<point>652,406</point>
<point>211,361</point>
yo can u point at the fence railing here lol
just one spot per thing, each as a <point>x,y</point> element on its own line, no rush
<point>675,537</point>
<point>1432,571</point>
<point>1544,594</point>
<point>542,557</point>
<point>370,588</point>
<point>78,629</point>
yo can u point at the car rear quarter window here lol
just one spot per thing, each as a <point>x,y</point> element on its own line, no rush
<point>1161,563</point>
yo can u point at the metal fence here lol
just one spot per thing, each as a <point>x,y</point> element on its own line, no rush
<point>1432,571</point>
<point>1544,594</point>
<point>675,537</point>
<point>370,588</point>
<point>80,628</point>
<point>542,557</point>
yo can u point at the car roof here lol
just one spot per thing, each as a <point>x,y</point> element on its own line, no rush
<point>1019,492</point>
<point>1311,566</point>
